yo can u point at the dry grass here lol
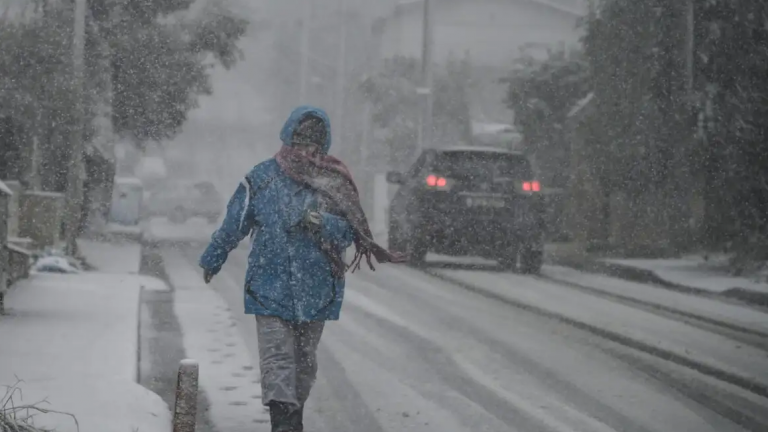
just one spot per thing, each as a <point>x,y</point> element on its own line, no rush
<point>20,418</point>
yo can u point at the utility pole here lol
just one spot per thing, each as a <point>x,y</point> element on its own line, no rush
<point>373,54</point>
<point>76,173</point>
<point>689,47</point>
<point>425,91</point>
<point>341,72</point>
<point>304,69</point>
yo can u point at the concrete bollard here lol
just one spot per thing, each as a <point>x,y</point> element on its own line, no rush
<point>185,411</point>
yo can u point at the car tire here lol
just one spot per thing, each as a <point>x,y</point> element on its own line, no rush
<point>531,260</point>
<point>417,252</point>
<point>393,240</point>
<point>417,247</point>
<point>508,261</point>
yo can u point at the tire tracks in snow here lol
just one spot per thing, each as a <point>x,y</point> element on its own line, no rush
<point>730,376</point>
<point>752,336</point>
<point>531,409</point>
<point>335,404</point>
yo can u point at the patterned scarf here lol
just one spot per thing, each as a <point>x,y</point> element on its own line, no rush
<point>330,177</point>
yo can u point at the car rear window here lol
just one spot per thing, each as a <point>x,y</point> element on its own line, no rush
<point>482,164</point>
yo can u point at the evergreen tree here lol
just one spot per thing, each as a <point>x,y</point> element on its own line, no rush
<point>731,71</point>
<point>159,60</point>
<point>541,93</point>
<point>156,54</point>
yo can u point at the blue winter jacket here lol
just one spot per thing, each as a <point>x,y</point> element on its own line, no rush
<point>288,275</point>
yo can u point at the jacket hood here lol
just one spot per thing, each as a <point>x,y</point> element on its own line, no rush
<point>296,116</point>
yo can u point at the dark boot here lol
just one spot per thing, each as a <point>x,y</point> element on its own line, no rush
<point>296,419</point>
<point>280,416</point>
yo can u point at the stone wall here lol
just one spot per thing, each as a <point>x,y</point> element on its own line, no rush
<point>41,216</point>
<point>13,207</point>
<point>4,199</point>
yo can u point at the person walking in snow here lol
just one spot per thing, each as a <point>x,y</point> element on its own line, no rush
<point>302,211</point>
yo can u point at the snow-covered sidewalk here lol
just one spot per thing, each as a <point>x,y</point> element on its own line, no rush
<point>706,308</point>
<point>229,377</point>
<point>695,273</point>
<point>193,230</point>
<point>73,340</point>
<point>691,275</point>
<point>118,256</point>
<point>709,352</point>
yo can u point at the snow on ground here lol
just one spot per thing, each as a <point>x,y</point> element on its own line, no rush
<point>195,230</point>
<point>414,353</point>
<point>115,228</point>
<point>73,340</point>
<point>469,260</point>
<point>683,340</point>
<point>119,257</point>
<point>112,257</point>
<point>227,375</point>
<point>708,308</point>
<point>474,362</point>
<point>693,272</point>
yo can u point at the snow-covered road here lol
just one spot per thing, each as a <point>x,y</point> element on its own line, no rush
<point>415,352</point>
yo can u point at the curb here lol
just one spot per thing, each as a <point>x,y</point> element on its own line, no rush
<point>733,378</point>
<point>160,377</point>
<point>635,274</point>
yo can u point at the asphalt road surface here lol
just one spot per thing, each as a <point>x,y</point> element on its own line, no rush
<point>415,351</point>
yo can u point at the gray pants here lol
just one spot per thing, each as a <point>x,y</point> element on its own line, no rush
<point>287,356</point>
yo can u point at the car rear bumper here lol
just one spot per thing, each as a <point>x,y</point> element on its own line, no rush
<point>498,228</point>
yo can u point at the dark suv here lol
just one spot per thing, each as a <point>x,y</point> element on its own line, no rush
<point>469,201</point>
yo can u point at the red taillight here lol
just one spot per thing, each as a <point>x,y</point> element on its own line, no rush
<point>435,181</point>
<point>531,186</point>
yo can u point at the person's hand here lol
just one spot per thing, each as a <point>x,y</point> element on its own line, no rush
<point>207,276</point>
<point>312,220</point>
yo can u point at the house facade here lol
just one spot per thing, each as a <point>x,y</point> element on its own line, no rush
<point>490,32</point>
